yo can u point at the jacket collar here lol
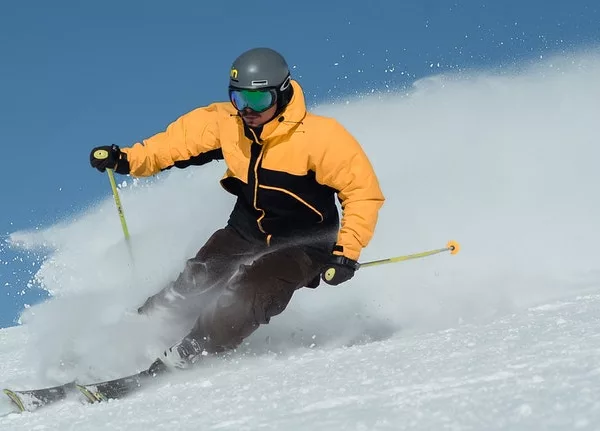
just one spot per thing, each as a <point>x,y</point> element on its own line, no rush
<point>289,118</point>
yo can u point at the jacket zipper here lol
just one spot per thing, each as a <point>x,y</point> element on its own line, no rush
<point>255,202</point>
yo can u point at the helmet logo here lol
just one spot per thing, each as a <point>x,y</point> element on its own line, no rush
<point>233,74</point>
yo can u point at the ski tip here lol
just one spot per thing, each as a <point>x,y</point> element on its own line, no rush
<point>453,246</point>
<point>15,399</point>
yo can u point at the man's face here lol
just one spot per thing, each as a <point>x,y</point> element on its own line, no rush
<point>255,119</point>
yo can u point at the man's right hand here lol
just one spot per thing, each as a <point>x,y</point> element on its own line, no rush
<point>105,157</point>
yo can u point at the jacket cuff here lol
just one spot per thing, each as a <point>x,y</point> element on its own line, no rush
<point>339,250</point>
<point>123,167</point>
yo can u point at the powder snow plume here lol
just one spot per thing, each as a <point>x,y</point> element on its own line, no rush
<point>505,163</point>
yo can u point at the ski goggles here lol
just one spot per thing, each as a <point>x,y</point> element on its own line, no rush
<point>255,100</point>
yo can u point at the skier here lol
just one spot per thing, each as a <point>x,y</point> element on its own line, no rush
<point>285,165</point>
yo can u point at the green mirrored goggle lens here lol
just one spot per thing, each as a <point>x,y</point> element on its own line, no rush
<point>256,100</point>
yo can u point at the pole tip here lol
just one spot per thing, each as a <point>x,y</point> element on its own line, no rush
<point>453,246</point>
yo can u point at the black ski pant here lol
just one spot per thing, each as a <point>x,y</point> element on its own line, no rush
<point>234,285</point>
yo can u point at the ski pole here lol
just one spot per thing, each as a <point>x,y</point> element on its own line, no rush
<point>453,247</point>
<point>103,154</point>
<point>113,185</point>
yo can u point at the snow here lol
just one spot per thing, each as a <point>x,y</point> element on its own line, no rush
<point>503,336</point>
<point>518,372</point>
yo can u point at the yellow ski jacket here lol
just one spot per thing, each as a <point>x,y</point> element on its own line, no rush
<point>286,179</point>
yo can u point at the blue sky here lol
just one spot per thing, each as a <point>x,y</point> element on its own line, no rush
<point>74,75</point>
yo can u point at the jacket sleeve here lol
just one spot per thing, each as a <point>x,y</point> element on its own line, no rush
<point>344,166</point>
<point>192,139</point>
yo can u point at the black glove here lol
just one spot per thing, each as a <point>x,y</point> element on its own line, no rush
<point>106,157</point>
<point>314,282</point>
<point>338,270</point>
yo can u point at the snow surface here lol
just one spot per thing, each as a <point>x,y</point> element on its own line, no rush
<point>503,336</point>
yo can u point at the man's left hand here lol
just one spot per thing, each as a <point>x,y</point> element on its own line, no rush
<point>338,270</point>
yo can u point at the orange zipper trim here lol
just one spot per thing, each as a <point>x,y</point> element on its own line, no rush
<point>258,159</point>
<point>295,196</point>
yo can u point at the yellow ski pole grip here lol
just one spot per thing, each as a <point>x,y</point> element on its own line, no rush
<point>329,274</point>
<point>101,154</point>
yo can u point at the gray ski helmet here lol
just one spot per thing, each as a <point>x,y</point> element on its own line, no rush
<point>259,68</point>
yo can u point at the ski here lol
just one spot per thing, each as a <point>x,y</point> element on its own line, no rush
<point>113,389</point>
<point>121,387</point>
<point>31,400</point>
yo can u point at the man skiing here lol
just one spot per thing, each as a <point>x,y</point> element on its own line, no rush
<point>286,166</point>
